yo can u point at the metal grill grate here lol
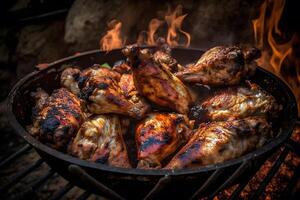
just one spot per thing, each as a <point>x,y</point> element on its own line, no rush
<point>290,146</point>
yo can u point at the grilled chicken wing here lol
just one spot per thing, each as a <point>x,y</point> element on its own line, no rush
<point>221,66</point>
<point>139,104</point>
<point>238,102</point>
<point>158,136</point>
<point>56,118</point>
<point>155,82</point>
<point>220,141</point>
<point>162,56</point>
<point>69,80</point>
<point>100,88</point>
<point>100,139</point>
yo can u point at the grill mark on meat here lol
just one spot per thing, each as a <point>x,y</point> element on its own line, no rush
<point>153,141</point>
<point>188,153</point>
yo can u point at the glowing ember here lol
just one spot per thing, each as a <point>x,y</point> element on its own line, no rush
<point>274,54</point>
<point>112,39</point>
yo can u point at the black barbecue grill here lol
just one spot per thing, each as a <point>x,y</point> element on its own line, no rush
<point>289,146</point>
<point>118,183</point>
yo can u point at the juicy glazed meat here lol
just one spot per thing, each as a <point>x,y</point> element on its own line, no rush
<point>57,118</point>
<point>156,82</point>
<point>69,80</point>
<point>160,135</point>
<point>128,89</point>
<point>100,139</point>
<point>100,88</point>
<point>162,56</point>
<point>221,66</point>
<point>238,102</point>
<point>220,141</point>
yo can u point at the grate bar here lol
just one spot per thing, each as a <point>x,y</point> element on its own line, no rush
<point>160,185</point>
<point>241,169</point>
<point>31,189</point>
<point>15,155</point>
<point>20,175</point>
<point>39,183</point>
<point>84,196</point>
<point>235,194</point>
<point>270,175</point>
<point>88,179</point>
<point>207,183</point>
<point>294,146</point>
<point>292,183</point>
<point>60,193</point>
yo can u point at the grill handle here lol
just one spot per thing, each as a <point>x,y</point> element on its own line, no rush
<point>82,175</point>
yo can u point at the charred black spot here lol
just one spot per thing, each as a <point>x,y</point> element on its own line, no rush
<point>167,138</point>
<point>198,113</point>
<point>236,67</point>
<point>81,80</point>
<point>151,141</point>
<point>49,124</point>
<point>102,86</point>
<point>179,120</point>
<point>136,62</point>
<point>87,92</point>
<point>76,76</point>
<point>102,159</point>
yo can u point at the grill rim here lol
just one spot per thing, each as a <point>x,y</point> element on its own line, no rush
<point>19,129</point>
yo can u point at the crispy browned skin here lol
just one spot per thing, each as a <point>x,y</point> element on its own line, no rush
<point>163,56</point>
<point>155,82</point>
<point>69,80</point>
<point>158,136</point>
<point>221,65</point>
<point>139,104</point>
<point>56,118</point>
<point>100,139</point>
<point>220,141</point>
<point>100,88</point>
<point>122,68</point>
<point>239,102</point>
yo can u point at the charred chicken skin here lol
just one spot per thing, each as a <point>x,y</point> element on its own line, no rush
<point>56,118</point>
<point>139,104</point>
<point>100,88</point>
<point>221,66</point>
<point>69,80</point>
<point>238,102</point>
<point>155,82</point>
<point>162,56</point>
<point>158,136</point>
<point>220,141</point>
<point>100,139</point>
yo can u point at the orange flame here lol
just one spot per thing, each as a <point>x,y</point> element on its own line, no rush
<point>112,39</point>
<point>273,57</point>
<point>174,21</point>
<point>152,28</point>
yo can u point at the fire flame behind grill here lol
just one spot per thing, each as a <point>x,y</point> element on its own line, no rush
<point>276,57</point>
<point>113,38</point>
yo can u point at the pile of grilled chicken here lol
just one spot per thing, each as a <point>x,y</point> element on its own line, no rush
<point>89,116</point>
